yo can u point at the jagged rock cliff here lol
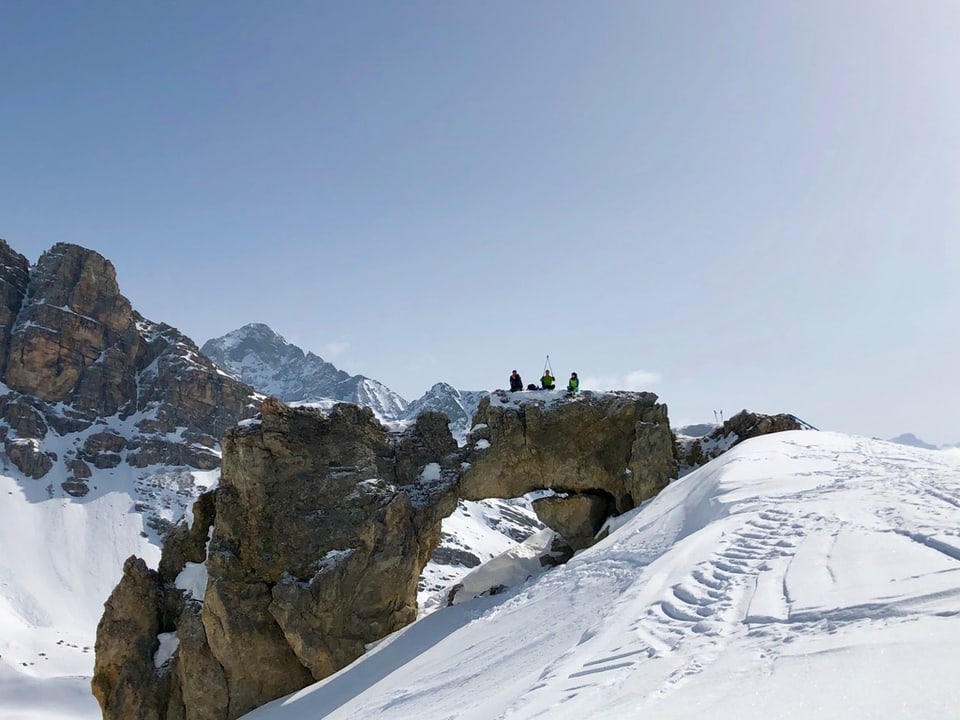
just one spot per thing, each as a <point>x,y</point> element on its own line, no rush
<point>321,526</point>
<point>74,352</point>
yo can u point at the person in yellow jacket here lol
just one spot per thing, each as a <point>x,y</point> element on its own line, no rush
<point>548,382</point>
<point>573,385</point>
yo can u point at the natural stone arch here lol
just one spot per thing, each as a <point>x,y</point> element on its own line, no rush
<point>616,444</point>
<point>323,522</point>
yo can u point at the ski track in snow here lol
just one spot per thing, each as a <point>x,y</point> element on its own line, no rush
<point>743,587</point>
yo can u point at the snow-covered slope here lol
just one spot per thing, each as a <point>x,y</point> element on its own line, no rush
<point>800,575</point>
<point>260,357</point>
<point>62,557</point>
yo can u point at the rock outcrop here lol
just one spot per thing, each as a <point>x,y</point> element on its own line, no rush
<point>323,521</point>
<point>321,526</point>
<point>73,352</point>
<point>74,338</point>
<point>742,426</point>
<point>127,640</point>
<point>602,453</point>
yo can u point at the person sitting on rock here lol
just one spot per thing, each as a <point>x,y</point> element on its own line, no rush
<point>573,385</point>
<point>515,382</point>
<point>547,382</point>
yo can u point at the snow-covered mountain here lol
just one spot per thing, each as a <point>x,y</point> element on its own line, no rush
<point>799,575</point>
<point>697,430</point>
<point>913,441</point>
<point>260,357</point>
<point>458,405</point>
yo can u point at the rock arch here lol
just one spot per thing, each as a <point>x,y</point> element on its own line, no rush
<point>322,524</point>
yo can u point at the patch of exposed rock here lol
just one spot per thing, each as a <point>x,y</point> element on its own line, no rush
<point>577,517</point>
<point>742,426</point>
<point>14,277</point>
<point>28,457</point>
<point>127,637</point>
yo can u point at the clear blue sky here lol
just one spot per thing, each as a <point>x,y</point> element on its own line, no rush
<point>743,204</point>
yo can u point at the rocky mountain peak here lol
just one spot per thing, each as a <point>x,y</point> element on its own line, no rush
<point>74,353</point>
<point>74,336</point>
<point>253,339</point>
<point>261,357</point>
<point>458,405</point>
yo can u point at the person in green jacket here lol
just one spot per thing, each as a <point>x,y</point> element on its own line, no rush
<point>547,382</point>
<point>573,385</point>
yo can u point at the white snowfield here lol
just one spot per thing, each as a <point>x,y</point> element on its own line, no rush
<point>59,560</point>
<point>800,575</point>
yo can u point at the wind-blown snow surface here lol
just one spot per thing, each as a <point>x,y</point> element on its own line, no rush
<point>800,575</point>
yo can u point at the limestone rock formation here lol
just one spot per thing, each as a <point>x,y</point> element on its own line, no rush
<point>321,526</point>
<point>74,352</point>
<point>74,338</point>
<point>617,445</point>
<point>314,541</point>
<point>14,276</point>
<point>746,424</point>
<point>26,454</point>
<point>124,677</point>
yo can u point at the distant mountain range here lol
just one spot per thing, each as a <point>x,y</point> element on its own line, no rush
<point>913,441</point>
<point>262,358</point>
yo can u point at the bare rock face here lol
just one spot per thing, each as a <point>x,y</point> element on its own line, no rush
<point>577,518</point>
<point>73,351</point>
<point>617,445</point>
<point>74,338</point>
<point>321,526</point>
<point>124,675</point>
<point>14,276</point>
<point>29,458</point>
<point>323,521</point>
<point>746,424</point>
